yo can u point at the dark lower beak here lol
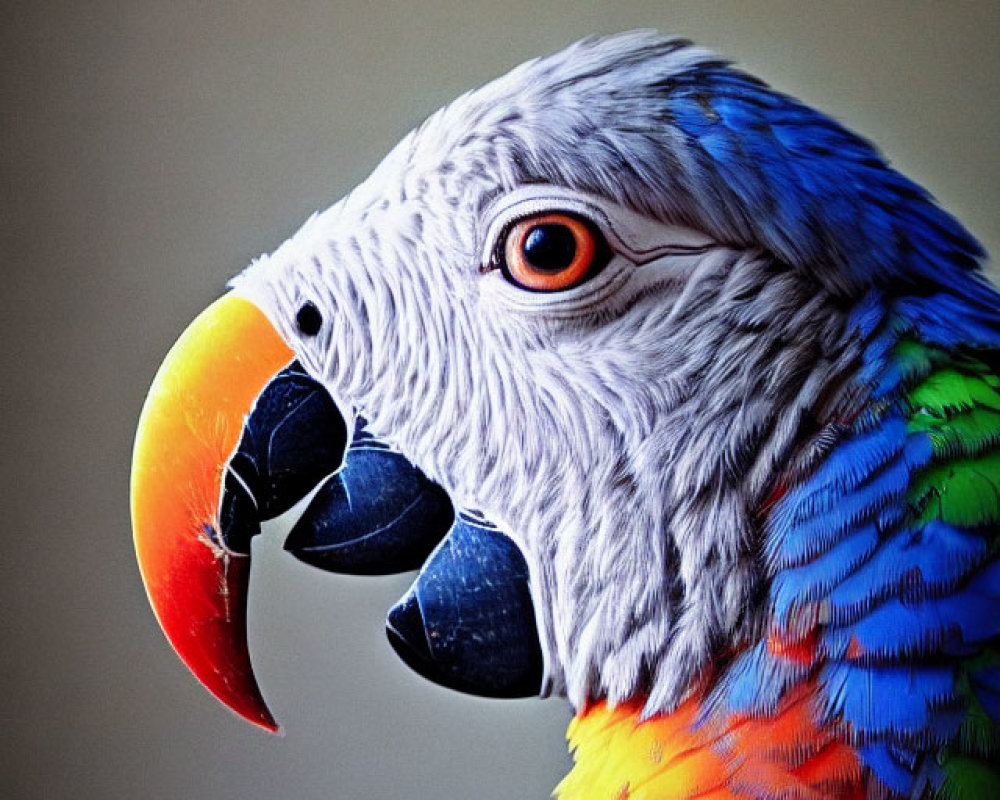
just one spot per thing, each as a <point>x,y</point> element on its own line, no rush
<point>235,432</point>
<point>468,621</point>
<point>232,434</point>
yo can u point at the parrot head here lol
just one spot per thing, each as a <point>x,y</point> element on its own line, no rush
<point>557,352</point>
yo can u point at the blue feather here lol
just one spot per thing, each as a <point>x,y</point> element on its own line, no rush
<point>986,686</point>
<point>832,203</point>
<point>899,627</point>
<point>855,460</point>
<point>887,700</point>
<point>949,321</point>
<point>879,758</point>
<point>822,199</point>
<point>879,498</point>
<point>794,587</point>
<point>867,315</point>
<point>756,681</point>
<point>930,561</point>
<point>888,381</point>
<point>988,677</point>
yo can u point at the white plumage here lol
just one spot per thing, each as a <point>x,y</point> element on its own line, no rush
<point>621,432</point>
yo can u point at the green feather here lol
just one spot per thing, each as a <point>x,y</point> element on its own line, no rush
<point>978,734</point>
<point>968,778</point>
<point>958,406</point>
<point>954,400</point>
<point>916,359</point>
<point>967,434</point>
<point>949,390</point>
<point>964,493</point>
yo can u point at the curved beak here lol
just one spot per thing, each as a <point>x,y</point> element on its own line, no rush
<point>235,432</point>
<point>191,425</point>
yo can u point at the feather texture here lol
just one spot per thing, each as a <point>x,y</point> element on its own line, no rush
<point>757,482</point>
<point>787,753</point>
<point>884,557</point>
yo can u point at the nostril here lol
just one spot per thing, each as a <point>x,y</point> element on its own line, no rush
<point>407,635</point>
<point>309,320</point>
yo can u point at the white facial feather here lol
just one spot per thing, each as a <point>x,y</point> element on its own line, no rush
<point>623,432</point>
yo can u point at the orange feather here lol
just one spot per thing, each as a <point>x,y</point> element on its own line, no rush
<point>680,756</point>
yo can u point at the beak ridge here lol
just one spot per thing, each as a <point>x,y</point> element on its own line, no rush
<point>190,426</point>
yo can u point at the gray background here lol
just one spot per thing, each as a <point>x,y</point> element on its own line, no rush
<point>149,151</point>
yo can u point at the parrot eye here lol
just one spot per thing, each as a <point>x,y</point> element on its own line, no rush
<point>551,252</point>
<point>309,319</point>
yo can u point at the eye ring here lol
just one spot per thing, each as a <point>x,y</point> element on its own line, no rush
<point>551,252</point>
<point>308,319</point>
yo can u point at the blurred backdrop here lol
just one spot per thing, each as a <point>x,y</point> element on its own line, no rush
<point>148,151</point>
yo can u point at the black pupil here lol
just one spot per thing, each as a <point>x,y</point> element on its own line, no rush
<point>309,319</point>
<point>550,248</point>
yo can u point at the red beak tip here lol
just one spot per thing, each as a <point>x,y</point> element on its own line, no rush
<point>267,723</point>
<point>190,425</point>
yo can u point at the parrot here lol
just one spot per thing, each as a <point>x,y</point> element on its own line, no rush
<point>680,402</point>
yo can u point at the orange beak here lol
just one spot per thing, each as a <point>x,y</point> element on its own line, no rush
<point>234,432</point>
<point>190,427</point>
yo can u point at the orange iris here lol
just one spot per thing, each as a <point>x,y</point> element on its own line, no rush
<point>549,252</point>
